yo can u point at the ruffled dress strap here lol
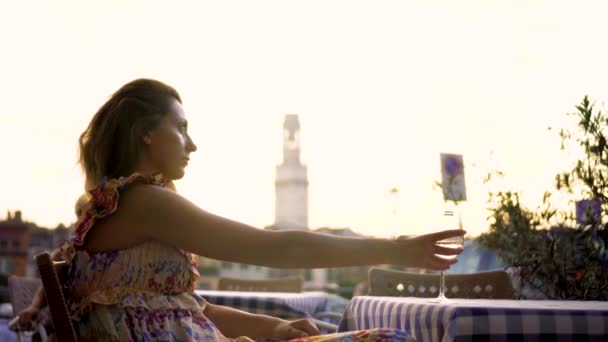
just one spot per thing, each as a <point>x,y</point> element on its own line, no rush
<point>103,201</point>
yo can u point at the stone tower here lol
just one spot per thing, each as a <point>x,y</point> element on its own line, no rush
<point>291,185</point>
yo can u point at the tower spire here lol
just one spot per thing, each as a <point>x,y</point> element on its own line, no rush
<point>291,185</point>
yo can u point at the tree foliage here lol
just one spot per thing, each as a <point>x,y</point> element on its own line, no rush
<point>555,255</point>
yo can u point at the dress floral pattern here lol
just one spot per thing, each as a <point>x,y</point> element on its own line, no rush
<point>146,292</point>
<point>378,335</point>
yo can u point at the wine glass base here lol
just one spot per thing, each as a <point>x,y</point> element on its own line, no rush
<point>439,299</point>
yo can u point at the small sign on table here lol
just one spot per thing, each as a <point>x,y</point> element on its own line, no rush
<point>589,211</point>
<point>452,177</point>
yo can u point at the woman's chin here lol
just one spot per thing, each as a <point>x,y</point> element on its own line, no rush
<point>176,174</point>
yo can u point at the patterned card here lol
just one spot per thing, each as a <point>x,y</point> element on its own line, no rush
<point>452,177</point>
<point>588,211</point>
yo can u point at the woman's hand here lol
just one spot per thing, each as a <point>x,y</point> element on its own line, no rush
<point>286,330</point>
<point>423,252</point>
<point>28,317</point>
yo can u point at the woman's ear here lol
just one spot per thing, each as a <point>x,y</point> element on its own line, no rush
<point>148,135</point>
<point>147,139</point>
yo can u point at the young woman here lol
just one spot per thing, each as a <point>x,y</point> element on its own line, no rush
<point>131,272</point>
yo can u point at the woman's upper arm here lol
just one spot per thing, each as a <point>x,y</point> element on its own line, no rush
<point>163,215</point>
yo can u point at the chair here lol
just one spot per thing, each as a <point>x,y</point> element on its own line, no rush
<point>489,284</point>
<point>21,292</point>
<point>286,284</point>
<point>64,329</point>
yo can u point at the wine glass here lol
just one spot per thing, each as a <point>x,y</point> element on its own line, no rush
<point>455,242</point>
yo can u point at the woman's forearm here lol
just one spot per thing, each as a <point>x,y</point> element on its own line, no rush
<point>296,248</point>
<point>250,325</point>
<point>305,249</point>
<point>293,248</point>
<point>39,299</point>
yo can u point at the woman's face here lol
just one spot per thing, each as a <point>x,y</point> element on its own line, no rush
<point>169,145</point>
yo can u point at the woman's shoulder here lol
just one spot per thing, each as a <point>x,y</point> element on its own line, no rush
<point>110,206</point>
<point>104,198</point>
<point>143,198</point>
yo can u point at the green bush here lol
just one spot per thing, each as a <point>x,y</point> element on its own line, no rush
<point>555,255</point>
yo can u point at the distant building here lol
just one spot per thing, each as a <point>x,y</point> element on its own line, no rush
<point>44,239</point>
<point>291,212</point>
<point>291,185</point>
<point>477,258</point>
<point>291,201</point>
<point>243,271</point>
<point>20,241</point>
<point>14,243</point>
<point>338,231</point>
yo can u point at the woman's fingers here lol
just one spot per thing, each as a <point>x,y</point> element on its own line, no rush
<point>439,263</point>
<point>26,320</point>
<point>446,234</point>
<point>423,250</point>
<point>306,325</point>
<point>301,328</point>
<point>442,250</point>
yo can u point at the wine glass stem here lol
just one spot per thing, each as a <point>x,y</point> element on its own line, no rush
<point>441,284</point>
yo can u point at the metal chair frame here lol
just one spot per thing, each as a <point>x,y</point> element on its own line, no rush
<point>494,284</point>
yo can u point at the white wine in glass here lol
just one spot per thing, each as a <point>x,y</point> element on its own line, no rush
<point>451,243</point>
<point>455,242</point>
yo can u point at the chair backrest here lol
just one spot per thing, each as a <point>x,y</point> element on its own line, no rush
<point>489,284</point>
<point>286,284</point>
<point>21,291</point>
<point>64,329</point>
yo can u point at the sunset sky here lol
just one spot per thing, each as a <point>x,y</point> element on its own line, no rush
<point>381,88</point>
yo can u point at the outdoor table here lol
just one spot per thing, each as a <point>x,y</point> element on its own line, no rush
<point>7,335</point>
<point>280,304</point>
<point>481,319</point>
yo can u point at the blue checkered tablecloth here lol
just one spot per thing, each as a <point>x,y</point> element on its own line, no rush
<point>6,335</point>
<point>279,304</point>
<point>481,319</point>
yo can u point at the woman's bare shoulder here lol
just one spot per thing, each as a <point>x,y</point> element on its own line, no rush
<point>123,228</point>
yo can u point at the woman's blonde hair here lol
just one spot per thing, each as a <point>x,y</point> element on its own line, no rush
<point>112,143</point>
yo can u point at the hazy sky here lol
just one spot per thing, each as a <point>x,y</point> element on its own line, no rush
<point>381,88</point>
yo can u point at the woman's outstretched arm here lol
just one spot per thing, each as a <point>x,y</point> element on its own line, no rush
<point>157,213</point>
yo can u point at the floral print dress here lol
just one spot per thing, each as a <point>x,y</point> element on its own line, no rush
<point>146,292</point>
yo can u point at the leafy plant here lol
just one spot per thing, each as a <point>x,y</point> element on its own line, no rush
<point>556,255</point>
